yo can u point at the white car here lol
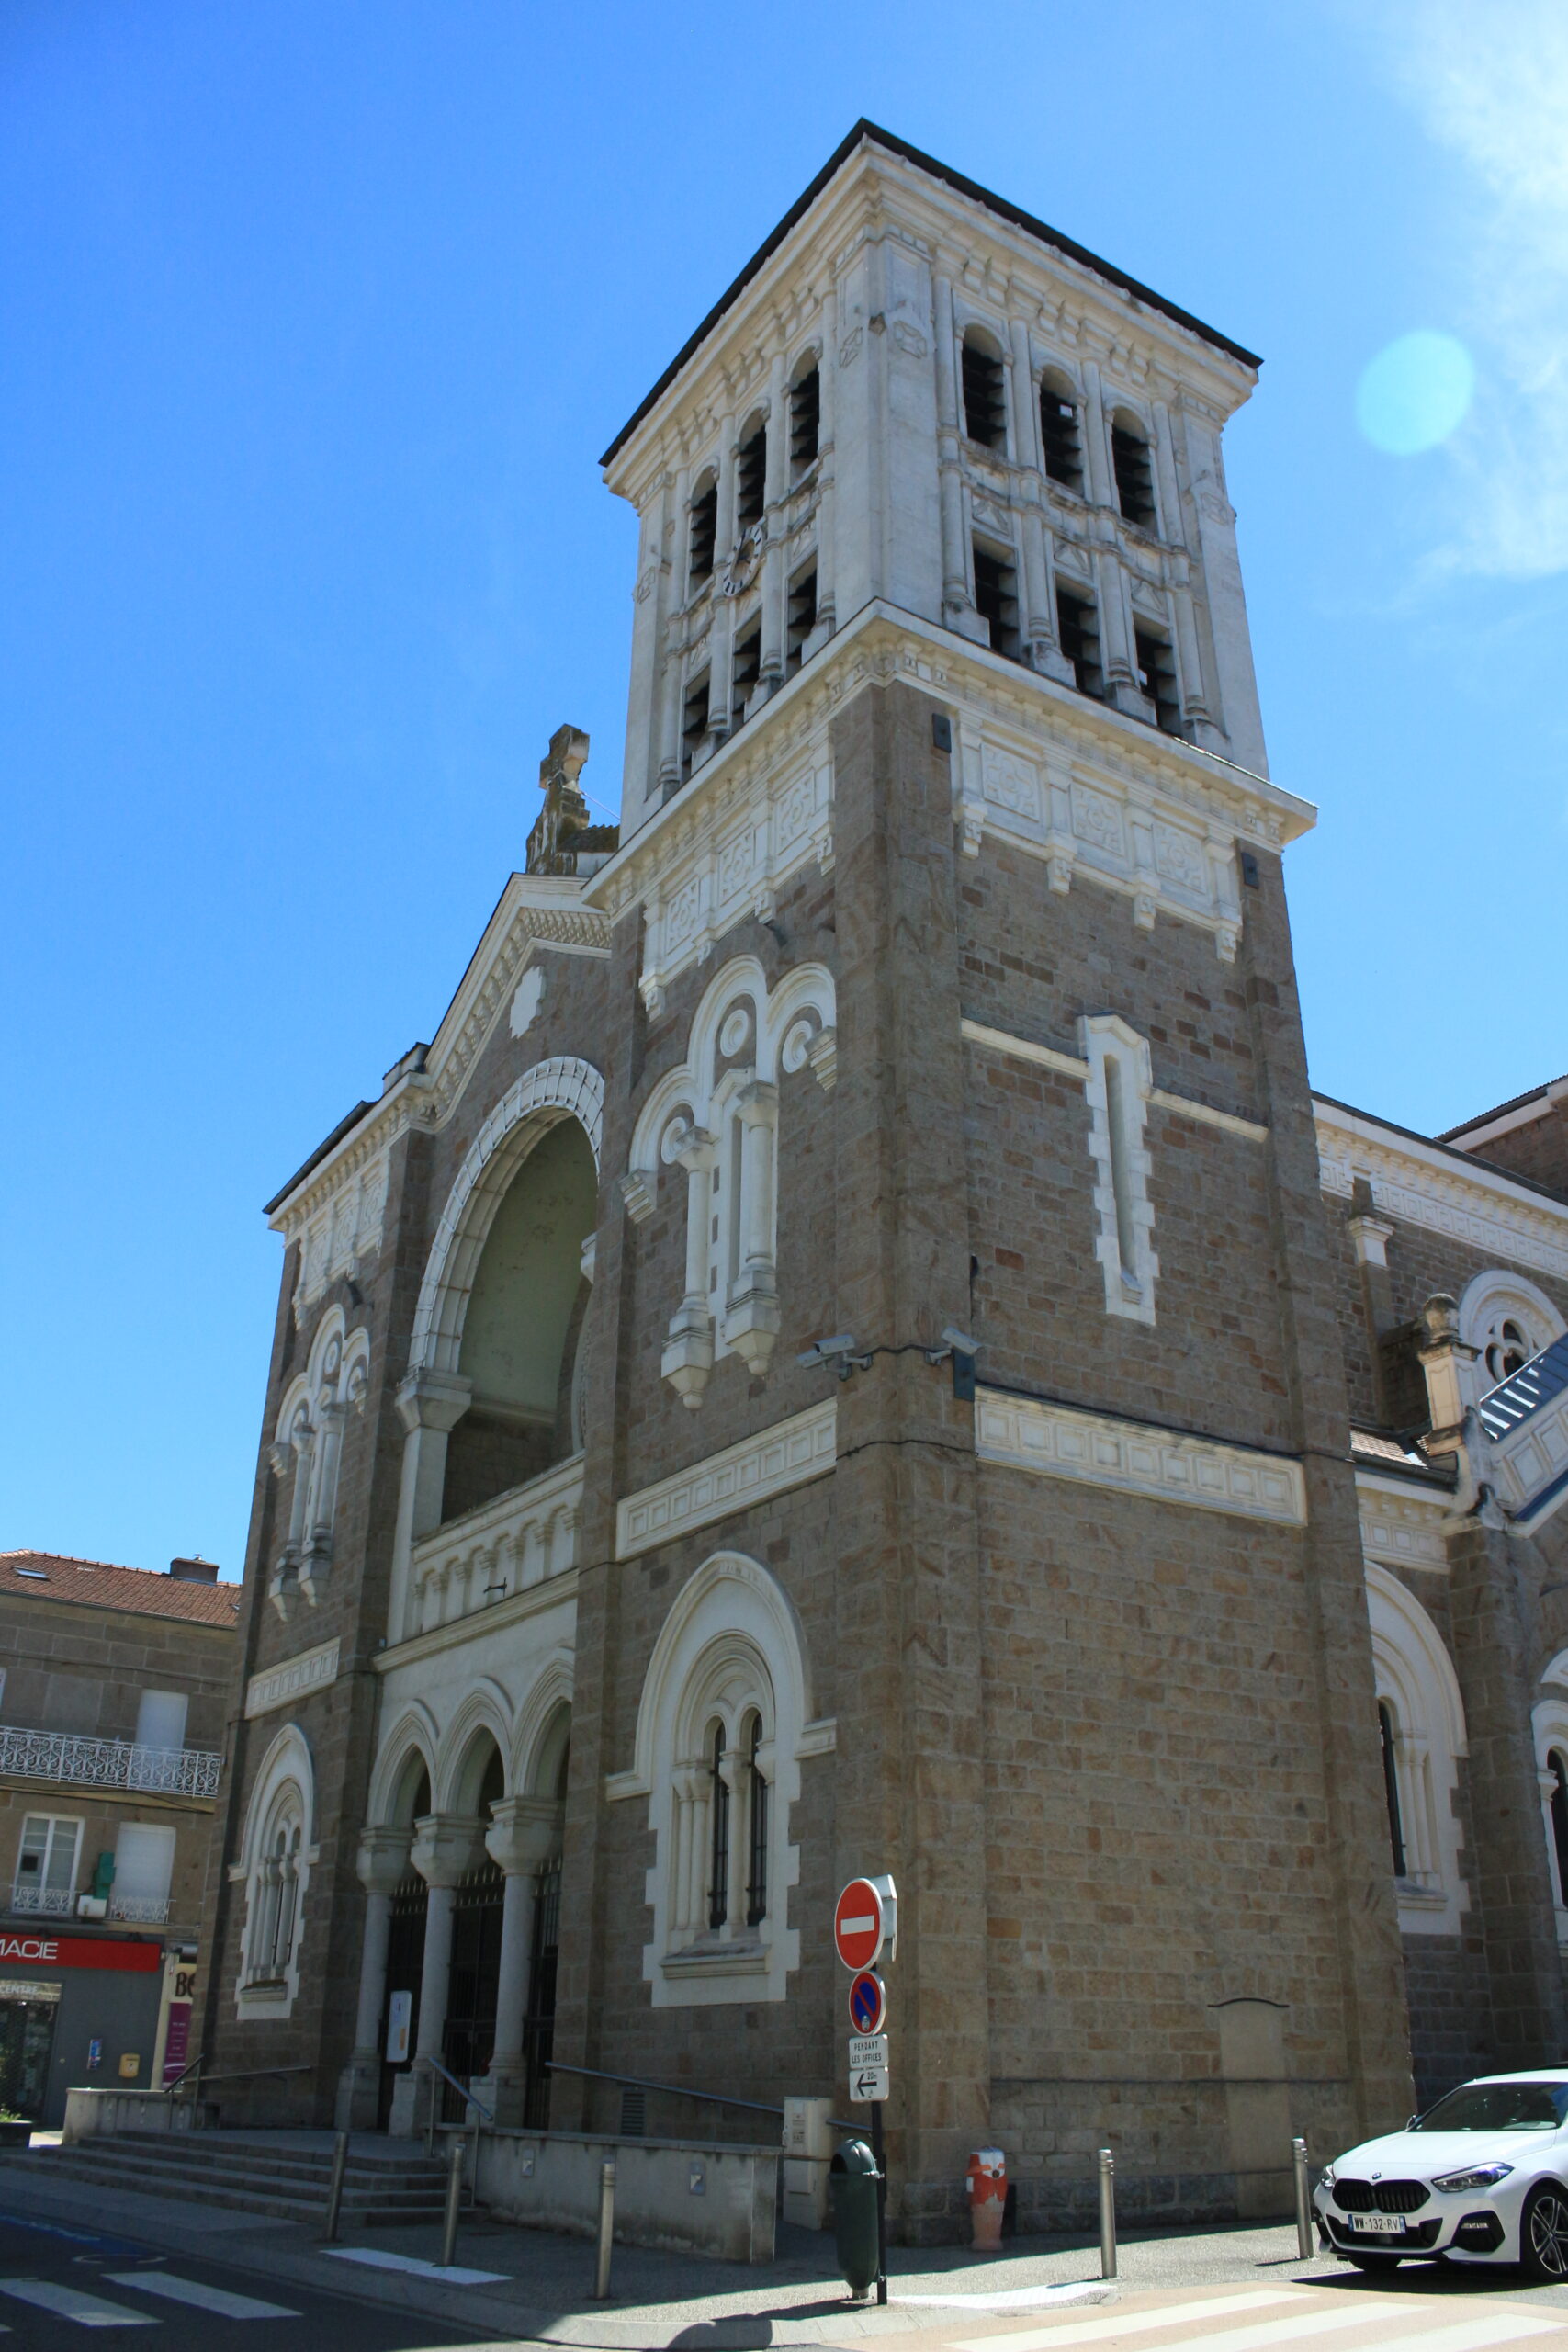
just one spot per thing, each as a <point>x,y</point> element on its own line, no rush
<point>1482,2176</point>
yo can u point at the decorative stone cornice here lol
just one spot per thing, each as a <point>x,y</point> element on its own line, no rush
<point>1165,1466</point>
<point>786,1455</point>
<point>1423,1184</point>
<point>293,1677</point>
<point>1402,1529</point>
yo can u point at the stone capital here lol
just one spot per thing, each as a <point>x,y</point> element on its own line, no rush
<point>524,1833</point>
<point>447,1846</point>
<point>382,1861</point>
<point>434,1400</point>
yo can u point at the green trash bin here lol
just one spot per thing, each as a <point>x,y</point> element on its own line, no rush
<point>854,2181</point>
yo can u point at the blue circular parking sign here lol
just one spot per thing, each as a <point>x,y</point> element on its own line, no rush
<point>868,2002</point>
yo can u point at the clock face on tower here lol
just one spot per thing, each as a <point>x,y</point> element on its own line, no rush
<point>742,565</point>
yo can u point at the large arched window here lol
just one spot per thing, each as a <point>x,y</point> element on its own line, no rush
<point>722,1729</point>
<point>1421,1735</point>
<point>523,1322</point>
<point>1506,1319</point>
<point>275,1869</point>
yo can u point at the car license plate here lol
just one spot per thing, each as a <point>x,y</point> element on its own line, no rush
<point>1378,2225</point>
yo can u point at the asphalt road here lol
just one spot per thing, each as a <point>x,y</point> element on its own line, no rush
<point>55,2280</point>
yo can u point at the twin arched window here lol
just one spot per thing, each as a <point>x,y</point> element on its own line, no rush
<point>738,1791</point>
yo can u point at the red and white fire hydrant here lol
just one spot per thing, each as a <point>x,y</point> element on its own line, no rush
<point>987,2196</point>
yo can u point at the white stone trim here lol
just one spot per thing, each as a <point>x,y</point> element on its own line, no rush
<point>788,1455</point>
<point>1403,1529</point>
<point>1549,1721</point>
<point>523,1537</point>
<point>1024,1049</point>
<point>1062,1441</point>
<point>1415,1679</point>
<point>562,1087</point>
<point>282,1796</point>
<point>1536,1107</point>
<point>517,1608</point>
<point>1487,1300</point>
<point>1117,1092</point>
<point>305,1672</point>
<point>1418,1184</point>
<point>731,1644</point>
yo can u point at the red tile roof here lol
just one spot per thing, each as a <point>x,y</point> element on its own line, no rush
<point>97,1584</point>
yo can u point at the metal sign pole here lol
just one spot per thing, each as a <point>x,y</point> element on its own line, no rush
<point>880,2161</point>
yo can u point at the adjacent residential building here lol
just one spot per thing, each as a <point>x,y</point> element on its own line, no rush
<point>113,1686</point>
<point>842,1354</point>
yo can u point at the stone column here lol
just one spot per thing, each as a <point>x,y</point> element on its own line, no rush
<point>524,1833</point>
<point>430,1406</point>
<point>445,1846</point>
<point>382,1862</point>
<point>688,1355</point>
<point>955,599</point>
<point>751,1311</point>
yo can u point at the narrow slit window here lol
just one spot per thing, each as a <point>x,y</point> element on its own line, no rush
<point>704,530</point>
<point>1135,476</point>
<point>804,421</point>
<point>1390,1788</point>
<point>802,618</point>
<point>693,722</point>
<point>1077,630</point>
<point>746,671</point>
<point>985,401</point>
<point>757,1882</point>
<point>1060,433</point>
<point>750,477</point>
<point>1157,676</point>
<point>718,1877</point>
<point>995,601</point>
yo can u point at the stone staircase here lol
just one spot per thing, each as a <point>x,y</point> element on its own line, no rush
<point>284,2174</point>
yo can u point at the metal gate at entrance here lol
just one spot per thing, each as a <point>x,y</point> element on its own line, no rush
<point>405,1967</point>
<point>539,2024</point>
<point>468,2037</point>
<point>28,2012</point>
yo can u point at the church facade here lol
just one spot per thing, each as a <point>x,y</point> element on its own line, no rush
<point>856,1348</point>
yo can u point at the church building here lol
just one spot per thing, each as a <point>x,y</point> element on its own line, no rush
<point>856,1348</point>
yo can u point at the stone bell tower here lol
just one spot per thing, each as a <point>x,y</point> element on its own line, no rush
<point>941,685</point>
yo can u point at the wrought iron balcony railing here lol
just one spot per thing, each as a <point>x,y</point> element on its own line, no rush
<point>139,1910</point>
<point>60,1902</point>
<point>79,1763</point>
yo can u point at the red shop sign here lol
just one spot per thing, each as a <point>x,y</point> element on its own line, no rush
<point>78,1951</point>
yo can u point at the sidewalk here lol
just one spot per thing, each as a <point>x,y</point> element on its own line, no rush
<point>533,2284</point>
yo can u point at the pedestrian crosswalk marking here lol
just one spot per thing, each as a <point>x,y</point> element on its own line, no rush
<point>71,2303</point>
<point>1478,2334</point>
<point>208,2299</point>
<point>1096,2331</point>
<point>1471,2335</point>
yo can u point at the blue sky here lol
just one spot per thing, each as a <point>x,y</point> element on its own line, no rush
<point>313,321</point>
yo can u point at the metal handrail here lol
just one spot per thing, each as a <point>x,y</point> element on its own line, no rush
<point>462,2089</point>
<point>680,2090</point>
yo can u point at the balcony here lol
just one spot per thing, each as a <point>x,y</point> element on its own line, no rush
<point>58,1902</point>
<point>74,1761</point>
<point>522,1538</point>
<point>139,1910</point>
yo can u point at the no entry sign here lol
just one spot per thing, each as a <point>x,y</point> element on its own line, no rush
<point>858,1926</point>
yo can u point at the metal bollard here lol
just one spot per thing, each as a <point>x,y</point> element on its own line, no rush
<point>1303,2199</point>
<point>334,2194</point>
<point>1107,2214</point>
<point>606,2231</point>
<point>454,2202</point>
